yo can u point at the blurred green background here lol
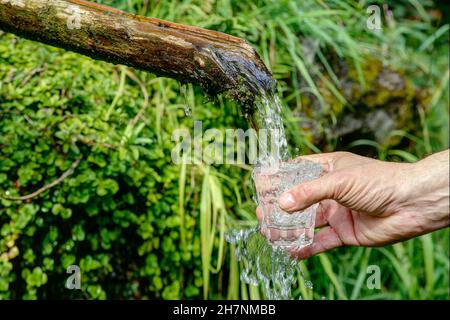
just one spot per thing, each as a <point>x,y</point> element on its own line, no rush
<point>138,225</point>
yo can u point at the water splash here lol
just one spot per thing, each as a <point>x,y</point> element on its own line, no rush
<point>264,265</point>
<point>272,268</point>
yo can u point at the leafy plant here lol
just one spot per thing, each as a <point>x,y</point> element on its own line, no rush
<point>141,227</point>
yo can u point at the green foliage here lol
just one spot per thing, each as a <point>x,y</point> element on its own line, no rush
<point>141,227</point>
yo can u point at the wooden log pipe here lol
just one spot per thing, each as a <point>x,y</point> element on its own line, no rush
<point>216,61</point>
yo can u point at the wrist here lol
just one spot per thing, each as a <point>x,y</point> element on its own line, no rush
<point>427,197</point>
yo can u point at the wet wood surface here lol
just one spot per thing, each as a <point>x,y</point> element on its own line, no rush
<point>217,62</point>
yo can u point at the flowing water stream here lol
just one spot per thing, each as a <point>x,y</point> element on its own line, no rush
<point>273,146</point>
<point>270,268</point>
<point>263,265</point>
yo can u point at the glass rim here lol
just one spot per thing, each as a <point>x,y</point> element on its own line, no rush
<point>284,166</point>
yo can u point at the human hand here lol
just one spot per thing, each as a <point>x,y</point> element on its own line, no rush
<point>367,202</point>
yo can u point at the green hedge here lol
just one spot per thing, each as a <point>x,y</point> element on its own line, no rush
<point>117,216</point>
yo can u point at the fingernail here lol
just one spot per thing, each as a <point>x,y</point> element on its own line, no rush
<point>287,201</point>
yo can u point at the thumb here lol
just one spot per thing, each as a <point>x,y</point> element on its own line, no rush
<point>311,192</point>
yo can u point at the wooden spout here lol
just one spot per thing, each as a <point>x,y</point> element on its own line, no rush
<point>216,61</point>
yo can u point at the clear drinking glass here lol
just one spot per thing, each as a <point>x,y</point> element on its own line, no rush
<point>283,229</point>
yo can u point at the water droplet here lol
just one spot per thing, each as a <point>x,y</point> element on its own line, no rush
<point>187,108</point>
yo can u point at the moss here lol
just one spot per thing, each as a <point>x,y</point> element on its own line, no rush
<point>386,89</point>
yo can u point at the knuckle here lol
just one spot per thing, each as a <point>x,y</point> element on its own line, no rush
<point>303,192</point>
<point>307,191</point>
<point>342,153</point>
<point>339,183</point>
<point>336,159</point>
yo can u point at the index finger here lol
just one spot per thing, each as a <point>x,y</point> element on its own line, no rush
<point>325,159</point>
